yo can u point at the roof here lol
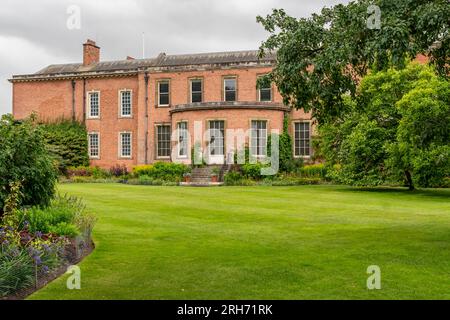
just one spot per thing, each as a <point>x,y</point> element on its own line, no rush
<point>162,61</point>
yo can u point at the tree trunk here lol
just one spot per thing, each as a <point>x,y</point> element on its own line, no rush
<point>409,179</point>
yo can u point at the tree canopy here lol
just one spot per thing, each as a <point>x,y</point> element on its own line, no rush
<point>398,129</point>
<point>321,59</point>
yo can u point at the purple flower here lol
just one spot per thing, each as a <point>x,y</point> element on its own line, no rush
<point>45,269</point>
<point>46,247</point>
<point>37,260</point>
<point>38,234</point>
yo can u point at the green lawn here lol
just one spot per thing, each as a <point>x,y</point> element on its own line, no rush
<point>309,242</point>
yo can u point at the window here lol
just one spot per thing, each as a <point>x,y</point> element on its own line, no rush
<point>94,145</point>
<point>182,139</point>
<point>163,93</point>
<point>163,141</point>
<point>93,104</point>
<point>125,145</point>
<point>265,93</point>
<point>302,139</point>
<point>216,137</point>
<point>229,85</point>
<point>196,90</point>
<point>125,103</point>
<point>258,144</point>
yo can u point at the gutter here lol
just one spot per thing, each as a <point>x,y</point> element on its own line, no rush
<point>146,77</point>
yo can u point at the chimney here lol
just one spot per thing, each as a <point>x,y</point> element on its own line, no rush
<point>91,53</point>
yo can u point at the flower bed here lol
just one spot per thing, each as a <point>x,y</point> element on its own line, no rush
<point>36,244</point>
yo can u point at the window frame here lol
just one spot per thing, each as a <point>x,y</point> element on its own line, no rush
<point>191,80</point>
<point>224,91</point>
<point>158,93</point>
<point>121,155</point>
<point>90,146</point>
<point>186,141</point>
<point>121,115</point>
<point>89,108</point>
<point>258,156</point>
<point>294,123</point>
<point>224,141</point>
<point>157,156</point>
<point>259,91</point>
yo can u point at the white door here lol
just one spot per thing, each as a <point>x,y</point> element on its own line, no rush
<point>216,150</point>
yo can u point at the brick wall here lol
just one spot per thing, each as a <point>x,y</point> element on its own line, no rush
<point>53,100</point>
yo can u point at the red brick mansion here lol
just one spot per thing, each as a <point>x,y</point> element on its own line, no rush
<point>139,111</point>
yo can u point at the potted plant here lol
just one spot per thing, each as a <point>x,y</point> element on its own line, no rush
<point>187,177</point>
<point>215,175</point>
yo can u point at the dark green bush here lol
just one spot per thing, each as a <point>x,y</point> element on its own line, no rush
<point>253,170</point>
<point>165,171</point>
<point>67,142</point>
<point>25,158</point>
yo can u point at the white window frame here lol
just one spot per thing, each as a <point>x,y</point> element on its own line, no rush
<point>185,156</point>
<point>121,155</point>
<point>310,140</point>
<point>251,138</point>
<point>89,144</point>
<point>121,115</point>
<point>88,103</point>
<point>157,140</point>
<point>159,82</point>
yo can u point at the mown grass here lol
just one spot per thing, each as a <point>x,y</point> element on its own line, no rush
<point>307,242</point>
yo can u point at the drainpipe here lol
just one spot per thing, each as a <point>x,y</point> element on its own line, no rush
<point>146,77</point>
<point>84,100</point>
<point>73,100</point>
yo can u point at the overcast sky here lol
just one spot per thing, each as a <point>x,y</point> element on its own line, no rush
<point>34,34</point>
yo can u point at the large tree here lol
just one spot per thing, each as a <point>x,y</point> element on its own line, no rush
<point>321,59</point>
<point>398,129</point>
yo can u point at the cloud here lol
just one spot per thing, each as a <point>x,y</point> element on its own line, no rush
<point>33,34</point>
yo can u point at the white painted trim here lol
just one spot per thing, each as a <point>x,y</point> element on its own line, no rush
<point>88,104</point>
<point>89,145</point>
<point>121,115</point>
<point>121,156</point>
<point>251,138</point>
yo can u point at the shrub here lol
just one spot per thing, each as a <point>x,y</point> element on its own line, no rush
<point>253,170</point>
<point>286,161</point>
<point>86,171</point>
<point>314,171</point>
<point>119,170</point>
<point>64,229</point>
<point>165,171</point>
<point>67,143</point>
<point>24,158</point>
<point>64,217</point>
<point>232,178</point>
